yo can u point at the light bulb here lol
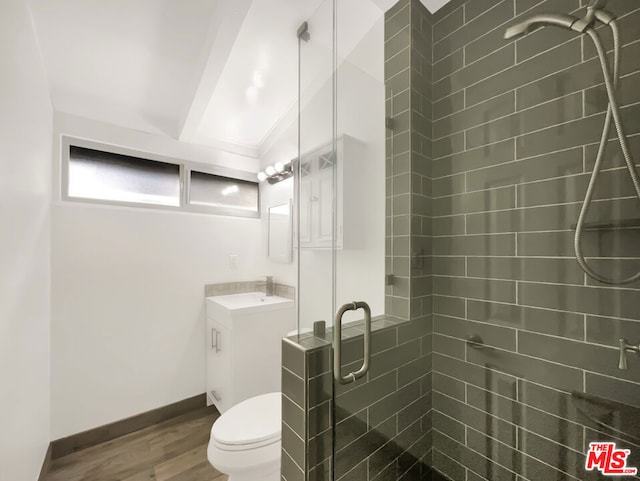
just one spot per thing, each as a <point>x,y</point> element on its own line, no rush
<point>279,167</point>
<point>262,176</point>
<point>270,170</point>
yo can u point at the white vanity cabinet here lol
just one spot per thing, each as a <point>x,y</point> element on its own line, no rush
<point>316,195</point>
<point>244,339</point>
<point>219,362</point>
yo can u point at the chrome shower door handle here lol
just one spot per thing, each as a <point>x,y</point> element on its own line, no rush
<point>337,343</point>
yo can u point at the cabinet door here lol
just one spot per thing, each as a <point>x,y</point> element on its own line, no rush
<point>305,201</point>
<point>219,366</point>
<point>305,211</point>
<point>323,196</point>
<point>323,203</point>
<point>317,192</point>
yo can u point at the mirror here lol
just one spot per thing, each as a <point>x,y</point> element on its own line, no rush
<point>280,232</point>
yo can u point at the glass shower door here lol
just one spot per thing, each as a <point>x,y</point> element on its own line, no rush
<point>381,420</point>
<point>358,254</point>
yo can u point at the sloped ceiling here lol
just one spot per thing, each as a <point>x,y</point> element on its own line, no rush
<point>122,59</point>
<point>217,72</point>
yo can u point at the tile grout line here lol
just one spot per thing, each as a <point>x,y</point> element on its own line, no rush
<point>529,132</point>
<point>579,370</point>
<point>502,396</point>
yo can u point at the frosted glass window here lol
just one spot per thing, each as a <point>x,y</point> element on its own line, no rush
<point>224,192</point>
<point>107,176</point>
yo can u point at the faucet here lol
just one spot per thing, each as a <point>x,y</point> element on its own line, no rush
<point>268,291</point>
<point>624,347</point>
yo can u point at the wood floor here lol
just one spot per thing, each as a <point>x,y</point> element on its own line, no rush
<point>175,450</point>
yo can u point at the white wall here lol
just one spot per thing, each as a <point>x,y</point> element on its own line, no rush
<point>25,191</point>
<point>128,307</point>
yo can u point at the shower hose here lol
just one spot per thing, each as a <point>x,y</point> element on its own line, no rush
<point>613,113</point>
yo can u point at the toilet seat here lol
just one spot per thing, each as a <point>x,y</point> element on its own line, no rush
<point>245,441</point>
<point>245,447</point>
<point>252,424</point>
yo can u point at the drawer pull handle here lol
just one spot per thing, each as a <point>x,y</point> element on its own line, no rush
<point>216,338</point>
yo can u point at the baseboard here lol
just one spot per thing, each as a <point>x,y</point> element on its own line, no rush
<point>46,464</point>
<point>92,437</point>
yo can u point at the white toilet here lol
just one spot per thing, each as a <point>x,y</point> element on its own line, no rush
<point>245,441</point>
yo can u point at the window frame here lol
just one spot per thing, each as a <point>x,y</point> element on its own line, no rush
<point>185,169</point>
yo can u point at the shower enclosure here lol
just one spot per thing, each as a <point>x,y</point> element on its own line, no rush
<point>440,194</point>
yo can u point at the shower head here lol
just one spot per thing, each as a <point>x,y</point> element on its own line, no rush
<point>541,20</point>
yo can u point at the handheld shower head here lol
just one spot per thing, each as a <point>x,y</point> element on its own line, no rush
<point>541,20</point>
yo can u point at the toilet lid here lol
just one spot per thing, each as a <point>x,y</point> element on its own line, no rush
<point>253,421</point>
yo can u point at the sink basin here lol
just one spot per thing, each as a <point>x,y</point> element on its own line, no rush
<point>246,300</point>
<point>224,308</point>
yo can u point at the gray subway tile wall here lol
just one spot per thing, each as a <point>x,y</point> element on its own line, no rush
<point>382,421</point>
<point>516,126</point>
<point>295,412</point>
<point>408,49</point>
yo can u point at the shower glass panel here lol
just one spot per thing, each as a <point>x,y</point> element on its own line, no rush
<point>380,420</point>
<point>316,170</point>
<point>354,240</point>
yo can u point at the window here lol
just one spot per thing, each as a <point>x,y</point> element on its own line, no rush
<point>106,174</point>
<point>216,191</point>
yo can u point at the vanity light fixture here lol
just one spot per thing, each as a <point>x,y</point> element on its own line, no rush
<point>277,172</point>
